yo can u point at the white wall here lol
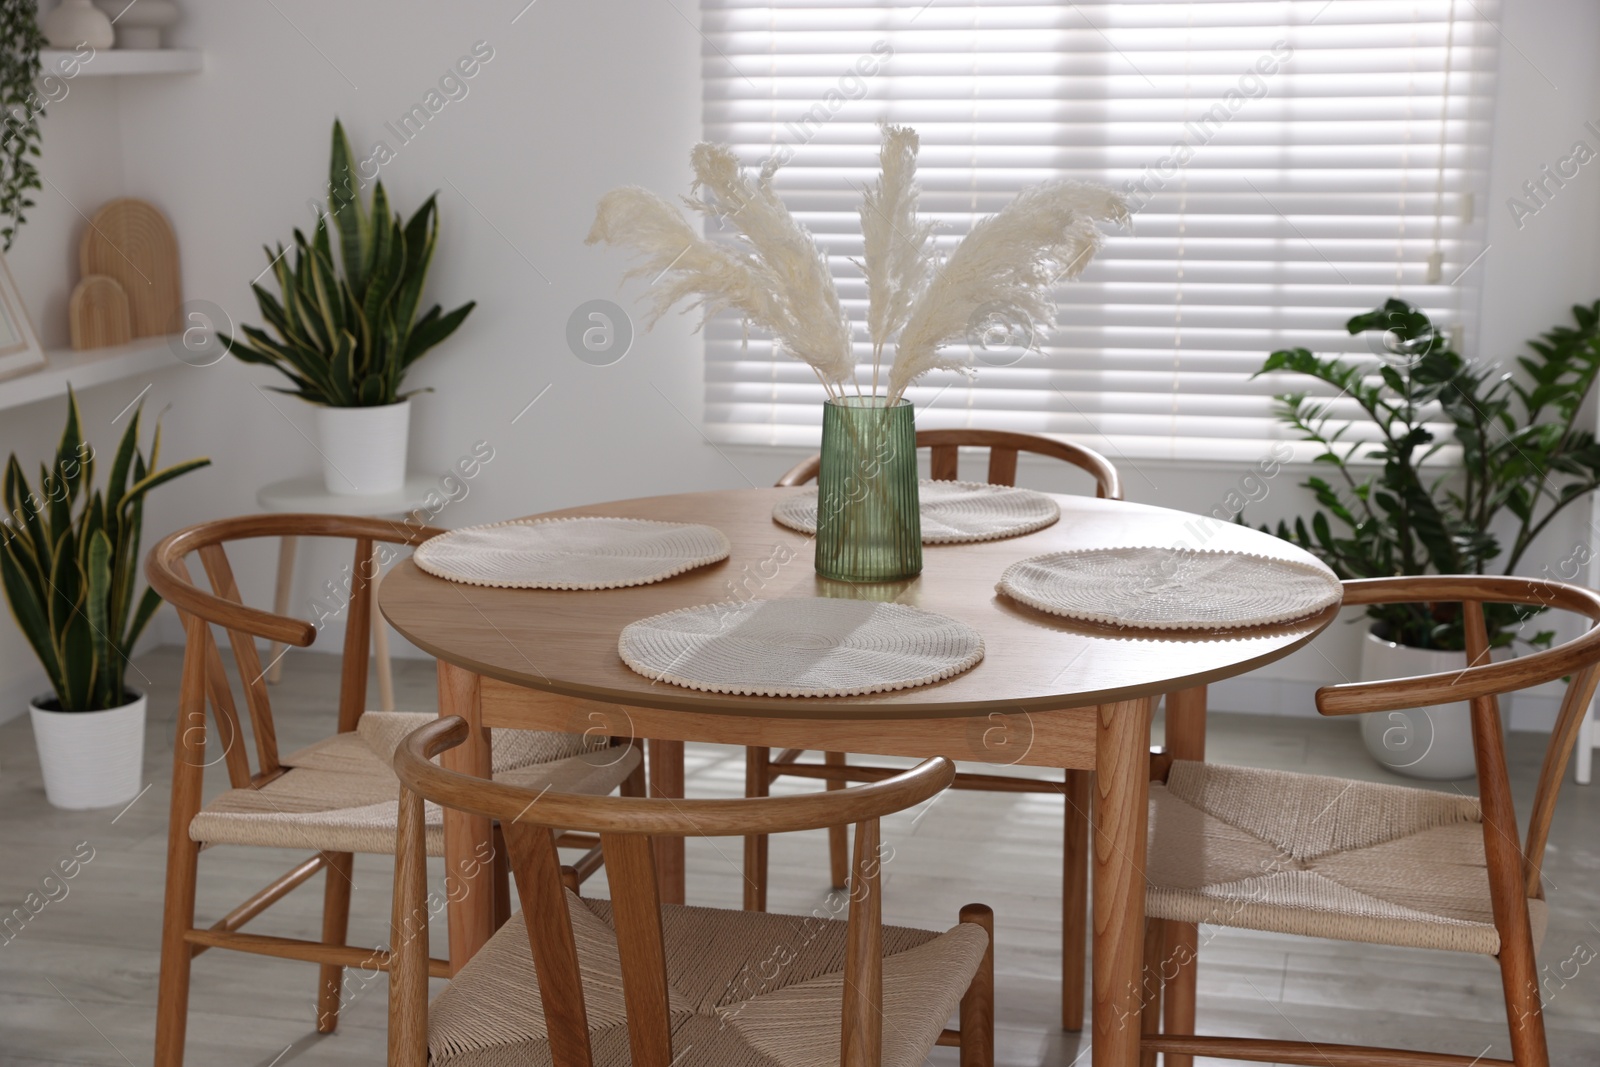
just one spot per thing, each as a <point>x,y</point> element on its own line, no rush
<point>578,97</point>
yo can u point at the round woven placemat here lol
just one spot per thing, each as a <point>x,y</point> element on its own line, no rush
<point>952,512</point>
<point>800,648</point>
<point>580,553</point>
<point>1171,589</point>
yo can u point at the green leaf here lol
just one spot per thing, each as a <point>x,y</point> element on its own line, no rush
<point>97,599</point>
<point>28,608</point>
<point>147,609</point>
<point>161,477</point>
<point>433,329</point>
<point>344,204</point>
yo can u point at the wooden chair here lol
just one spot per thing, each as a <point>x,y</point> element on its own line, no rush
<point>762,768</point>
<point>336,797</point>
<point>628,981</point>
<point>1382,864</point>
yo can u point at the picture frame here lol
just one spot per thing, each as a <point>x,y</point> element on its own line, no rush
<point>19,345</point>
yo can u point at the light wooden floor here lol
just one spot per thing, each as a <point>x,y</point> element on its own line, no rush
<point>77,982</point>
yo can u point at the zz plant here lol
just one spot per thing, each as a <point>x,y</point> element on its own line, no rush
<point>346,336</point>
<point>69,561</point>
<point>1390,511</point>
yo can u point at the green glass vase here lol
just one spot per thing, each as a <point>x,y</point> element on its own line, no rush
<point>869,526</point>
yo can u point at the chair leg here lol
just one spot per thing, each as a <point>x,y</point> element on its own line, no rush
<point>757,783</point>
<point>838,836</point>
<point>1524,1007</point>
<point>1074,898</point>
<point>172,996</point>
<point>335,929</point>
<point>502,879</point>
<point>1180,970</point>
<point>977,1003</point>
<point>1150,991</point>
<point>634,785</point>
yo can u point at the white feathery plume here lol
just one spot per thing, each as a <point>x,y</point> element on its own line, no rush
<point>895,258</point>
<point>779,283</point>
<point>816,329</point>
<point>1009,261</point>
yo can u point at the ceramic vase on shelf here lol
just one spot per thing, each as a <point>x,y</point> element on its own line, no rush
<point>1434,742</point>
<point>77,22</point>
<point>90,759</point>
<point>364,449</point>
<point>140,22</point>
<point>869,526</point>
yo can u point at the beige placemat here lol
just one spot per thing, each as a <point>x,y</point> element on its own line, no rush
<point>952,512</point>
<point>1171,589</point>
<point>577,553</point>
<point>817,647</point>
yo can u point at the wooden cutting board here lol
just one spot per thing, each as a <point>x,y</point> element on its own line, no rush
<point>131,242</point>
<point>98,314</point>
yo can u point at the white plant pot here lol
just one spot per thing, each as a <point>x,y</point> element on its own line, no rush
<point>1434,742</point>
<point>74,22</point>
<point>139,23</point>
<point>90,759</point>
<point>364,449</point>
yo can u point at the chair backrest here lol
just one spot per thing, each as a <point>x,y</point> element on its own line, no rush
<point>1003,446</point>
<point>530,819</point>
<point>205,680</point>
<point>1512,866</point>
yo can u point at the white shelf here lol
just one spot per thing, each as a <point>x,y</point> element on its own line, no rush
<point>86,369</point>
<point>126,61</point>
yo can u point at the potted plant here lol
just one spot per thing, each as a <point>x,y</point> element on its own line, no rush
<point>69,561</point>
<point>1400,504</point>
<point>345,336</point>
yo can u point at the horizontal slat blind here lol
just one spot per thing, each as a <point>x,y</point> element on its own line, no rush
<point>1291,163</point>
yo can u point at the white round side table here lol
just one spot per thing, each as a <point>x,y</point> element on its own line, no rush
<point>311,496</point>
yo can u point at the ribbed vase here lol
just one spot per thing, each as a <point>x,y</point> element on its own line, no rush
<point>869,526</point>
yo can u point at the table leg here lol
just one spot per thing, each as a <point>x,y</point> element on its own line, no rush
<point>468,839</point>
<point>1186,739</point>
<point>1121,822</point>
<point>380,638</point>
<point>280,603</point>
<point>666,780</point>
<point>1074,897</point>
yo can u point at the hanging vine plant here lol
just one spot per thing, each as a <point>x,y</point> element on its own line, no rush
<point>20,110</point>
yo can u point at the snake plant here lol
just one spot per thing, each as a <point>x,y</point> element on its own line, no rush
<point>346,337</point>
<point>69,559</point>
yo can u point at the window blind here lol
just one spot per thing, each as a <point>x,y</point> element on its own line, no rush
<point>1290,163</point>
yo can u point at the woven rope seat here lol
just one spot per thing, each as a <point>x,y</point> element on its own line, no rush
<point>723,1003</point>
<point>1321,857</point>
<point>341,794</point>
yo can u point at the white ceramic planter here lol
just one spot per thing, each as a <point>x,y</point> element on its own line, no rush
<point>139,23</point>
<point>1433,743</point>
<point>90,759</point>
<point>364,449</point>
<point>74,22</point>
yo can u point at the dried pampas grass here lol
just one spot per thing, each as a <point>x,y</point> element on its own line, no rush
<point>896,256</point>
<point>777,279</point>
<point>1008,266</point>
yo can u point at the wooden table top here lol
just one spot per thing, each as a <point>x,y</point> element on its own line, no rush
<point>565,642</point>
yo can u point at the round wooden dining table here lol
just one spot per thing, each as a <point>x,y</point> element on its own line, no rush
<point>1049,692</point>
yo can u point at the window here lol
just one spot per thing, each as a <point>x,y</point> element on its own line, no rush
<point>1290,162</point>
